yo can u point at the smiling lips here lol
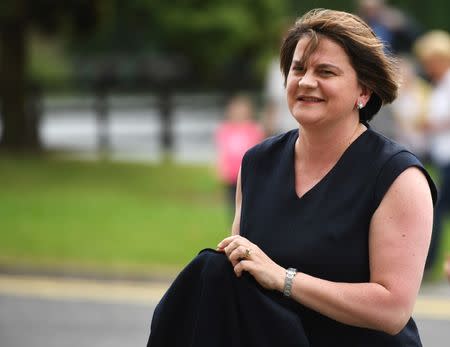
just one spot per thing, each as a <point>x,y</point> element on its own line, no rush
<point>305,98</point>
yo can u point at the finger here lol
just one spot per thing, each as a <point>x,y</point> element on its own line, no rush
<point>238,268</point>
<point>243,265</point>
<point>238,254</point>
<point>225,242</point>
<point>231,247</point>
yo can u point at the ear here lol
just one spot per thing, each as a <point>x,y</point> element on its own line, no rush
<point>364,95</point>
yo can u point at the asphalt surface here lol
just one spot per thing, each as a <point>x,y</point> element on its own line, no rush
<point>45,322</point>
<point>43,311</point>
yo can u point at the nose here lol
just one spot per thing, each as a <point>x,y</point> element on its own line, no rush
<point>307,81</point>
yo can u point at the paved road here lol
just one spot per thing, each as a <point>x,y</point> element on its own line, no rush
<point>45,322</point>
<point>47,312</point>
<point>64,313</point>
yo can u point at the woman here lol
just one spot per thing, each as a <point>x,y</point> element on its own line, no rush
<point>433,51</point>
<point>347,207</point>
<point>409,110</point>
<point>234,136</point>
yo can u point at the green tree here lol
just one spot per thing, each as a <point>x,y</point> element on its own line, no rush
<point>17,19</point>
<point>217,41</point>
<point>222,37</point>
<point>213,39</point>
<point>200,43</point>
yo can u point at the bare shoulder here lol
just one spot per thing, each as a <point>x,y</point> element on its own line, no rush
<point>406,211</point>
<point>410,188</point>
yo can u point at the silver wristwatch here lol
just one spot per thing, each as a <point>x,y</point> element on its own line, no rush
<point>290,274</point>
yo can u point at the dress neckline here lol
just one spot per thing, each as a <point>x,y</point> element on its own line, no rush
<point>329,173</point>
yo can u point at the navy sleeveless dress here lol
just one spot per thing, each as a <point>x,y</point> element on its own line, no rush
<point>325,232</point>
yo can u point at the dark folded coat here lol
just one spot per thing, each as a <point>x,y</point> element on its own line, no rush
<point>207,305</point>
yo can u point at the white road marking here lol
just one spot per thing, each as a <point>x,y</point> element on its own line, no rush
<point>131,292</point>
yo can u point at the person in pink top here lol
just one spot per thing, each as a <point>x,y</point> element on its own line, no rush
<point>234,136</point>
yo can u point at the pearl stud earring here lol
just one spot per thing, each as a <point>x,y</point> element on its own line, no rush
<point>359,105</point>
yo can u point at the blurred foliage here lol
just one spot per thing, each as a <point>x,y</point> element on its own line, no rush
<point>430,14</point>
<point>44,26</point>
<point>18,19</point>
<point>43,50</point>
<point>209,43</point>
<point>197,41</point>
<point>50,15</point>
<point>192,42</point>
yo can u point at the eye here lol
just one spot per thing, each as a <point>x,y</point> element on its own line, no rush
<point>327,73</point>
<point>298,68</point>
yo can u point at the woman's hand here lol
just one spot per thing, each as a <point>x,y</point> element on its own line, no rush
<point>246,256</point>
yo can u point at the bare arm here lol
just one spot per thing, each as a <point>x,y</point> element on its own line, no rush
<point>399,237</point>
<point>237,214</point>
<point>400,233</point>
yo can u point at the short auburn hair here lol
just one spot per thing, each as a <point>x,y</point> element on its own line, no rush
<point>376,70</point>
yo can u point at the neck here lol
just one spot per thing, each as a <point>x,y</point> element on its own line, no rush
<point>322,146</point>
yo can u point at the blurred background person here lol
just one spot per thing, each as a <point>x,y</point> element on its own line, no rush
<point>277,117</point>
<point>234,136</point>
<point>409,109</point>
<point>394,27</point>
<point>398,31</point>
<point>433,50</point>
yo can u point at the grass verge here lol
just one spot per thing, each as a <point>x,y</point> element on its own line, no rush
<point>109,216</point>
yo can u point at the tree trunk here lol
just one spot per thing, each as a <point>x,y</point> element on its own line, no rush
<point>18,121</point>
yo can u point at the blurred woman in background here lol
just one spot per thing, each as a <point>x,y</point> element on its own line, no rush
<point>433,50</point>
<point>238,132</point>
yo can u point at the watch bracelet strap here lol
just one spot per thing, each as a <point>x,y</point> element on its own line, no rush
<point>290,274</point>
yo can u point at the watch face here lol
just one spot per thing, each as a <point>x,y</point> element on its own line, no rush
<point>290,274</point>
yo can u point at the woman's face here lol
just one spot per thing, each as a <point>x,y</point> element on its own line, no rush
<point>326,88</point>
<point>435,66</point>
